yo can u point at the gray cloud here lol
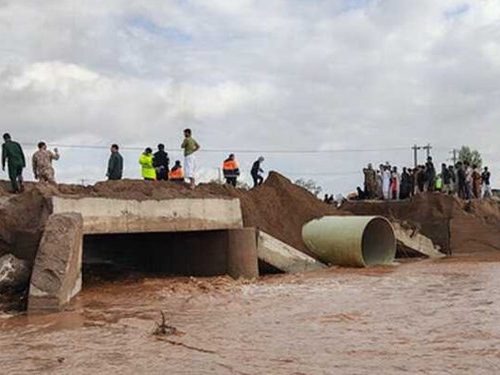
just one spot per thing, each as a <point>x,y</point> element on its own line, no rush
<point>252,74</point>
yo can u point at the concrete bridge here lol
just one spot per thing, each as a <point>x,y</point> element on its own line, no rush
<point>201,237</point>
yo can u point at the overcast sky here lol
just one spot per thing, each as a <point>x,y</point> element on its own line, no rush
<point>282,75</point>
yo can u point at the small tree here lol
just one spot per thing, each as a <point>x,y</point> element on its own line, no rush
<point>472,156</point>
<point>310,185</point>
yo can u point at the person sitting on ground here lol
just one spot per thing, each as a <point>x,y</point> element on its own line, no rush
<point>115,164</point>
<point>176,173</point>
<point>361,195</point>
<point>13,156</point>
<point>146,161</point>
<point>256,172</point>
<point>485,177</point>
<point>42,163</point>
<point>231,170</point>
<point>161,163</point>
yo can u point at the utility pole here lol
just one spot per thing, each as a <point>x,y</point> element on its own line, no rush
<point>415,149</point>
<point>454,152</point>
<point>428,148</point>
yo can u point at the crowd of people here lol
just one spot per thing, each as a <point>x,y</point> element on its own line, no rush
<point>462,179</point>
<point>154,166</point>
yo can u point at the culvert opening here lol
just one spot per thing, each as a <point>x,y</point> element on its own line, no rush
<point>378,243</point>
<point>109,257</point>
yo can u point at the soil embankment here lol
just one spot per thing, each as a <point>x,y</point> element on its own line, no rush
<point>278,207</point>
<point>453,224</point>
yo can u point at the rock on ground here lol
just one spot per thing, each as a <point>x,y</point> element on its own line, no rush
<point>14,273</point>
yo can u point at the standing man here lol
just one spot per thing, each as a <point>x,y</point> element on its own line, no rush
<point>190,146</point>
<point>476,182</point>
<point>430,175</point>
<point>462,181</point>
<point>446,179</point>
<point>42,163</point>
<point>370,182</point>
<point>231,170</point>
<point>386,182</point>
<point>486,176</point>
<point>12,153</point>
<point>146,161</point>
<point>405,187</point>
<point>161,163</point>
<point>468,179</point>
<point>256,172</point>
<point>115,164</point>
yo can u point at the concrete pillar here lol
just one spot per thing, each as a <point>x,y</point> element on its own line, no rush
<point>242,253</point>
<point>56,276</point>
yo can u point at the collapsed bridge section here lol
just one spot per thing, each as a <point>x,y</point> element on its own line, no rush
<point>201,237</point>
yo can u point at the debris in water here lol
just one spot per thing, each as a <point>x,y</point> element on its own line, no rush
<point>163,329</point>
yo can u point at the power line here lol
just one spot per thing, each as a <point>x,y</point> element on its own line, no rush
<point>243,151</point>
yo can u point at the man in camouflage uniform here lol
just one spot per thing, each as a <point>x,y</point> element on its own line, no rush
<point>42,163</point>
<point>370,182</point>
<point>13,156</point>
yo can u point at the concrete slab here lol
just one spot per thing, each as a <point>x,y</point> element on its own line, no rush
<point>56,276</point>
<point>416,242</point>
<point>284,257</point>
<point>242,259</point>
<point>103,215</point>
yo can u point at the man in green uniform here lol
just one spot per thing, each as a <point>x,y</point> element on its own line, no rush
<point>12,153</point>
<point>115,164</point>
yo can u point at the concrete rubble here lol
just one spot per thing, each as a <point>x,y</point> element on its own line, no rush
<point>412,243</point>
<point>56,276</point>
<point>284,257</point>
<point>14,273</point>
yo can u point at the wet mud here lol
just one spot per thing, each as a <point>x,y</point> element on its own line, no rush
<point>432,317</point>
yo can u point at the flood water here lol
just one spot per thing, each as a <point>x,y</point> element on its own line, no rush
<point>430,317</point>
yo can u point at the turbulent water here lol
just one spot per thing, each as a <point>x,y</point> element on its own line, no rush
<point>428,317</point>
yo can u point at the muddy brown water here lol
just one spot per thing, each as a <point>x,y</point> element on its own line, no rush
<point>429,317</point>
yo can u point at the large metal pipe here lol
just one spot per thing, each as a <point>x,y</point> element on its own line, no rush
<point>354,241</point>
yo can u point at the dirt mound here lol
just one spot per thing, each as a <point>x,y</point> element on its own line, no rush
<point>281,208</point>
<point>453,224</point>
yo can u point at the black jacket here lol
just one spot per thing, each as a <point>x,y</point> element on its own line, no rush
<point>115,166</point>
<point>160,159</point>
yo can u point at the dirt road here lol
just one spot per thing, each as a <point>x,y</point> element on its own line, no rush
<point>438,317</point>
